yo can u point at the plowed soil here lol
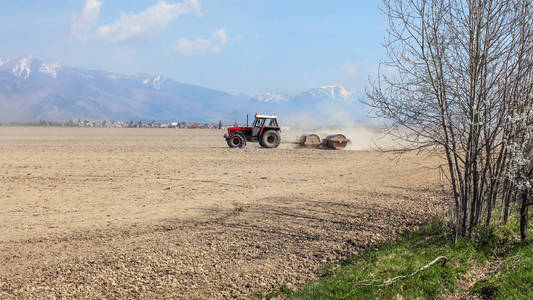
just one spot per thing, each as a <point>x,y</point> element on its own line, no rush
<point>166,213</point>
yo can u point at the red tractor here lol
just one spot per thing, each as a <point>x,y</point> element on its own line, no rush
<point>264,130</point>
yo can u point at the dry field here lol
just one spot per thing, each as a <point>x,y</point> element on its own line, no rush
<point>143,213</point>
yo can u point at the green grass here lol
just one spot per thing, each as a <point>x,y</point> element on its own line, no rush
<point>360,277</point>
<point>514,279</point>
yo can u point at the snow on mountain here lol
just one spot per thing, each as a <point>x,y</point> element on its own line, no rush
<point>325,105</point>
<point>337,91</point>
<point>22,68</point>
<point>156,80</point>
<point>332,92</point>
<point>26,66</point>
<point>272,98</point>
<point>325,92</point>
<point>50,69</point>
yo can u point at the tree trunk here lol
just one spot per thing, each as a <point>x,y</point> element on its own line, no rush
<point>507,200</point>
<point>489,206</point>
<point>523,216</point>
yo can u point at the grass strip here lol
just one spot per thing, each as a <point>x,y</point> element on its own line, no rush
<point>493,264</point>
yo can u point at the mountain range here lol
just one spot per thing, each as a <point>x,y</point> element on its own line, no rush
<point>32,89</point>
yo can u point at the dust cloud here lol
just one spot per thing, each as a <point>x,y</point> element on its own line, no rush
<point>332,119</point>
<point>361,137</point>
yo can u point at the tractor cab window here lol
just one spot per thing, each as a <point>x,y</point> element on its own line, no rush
<point>259,122</point>
<point>273,123</point>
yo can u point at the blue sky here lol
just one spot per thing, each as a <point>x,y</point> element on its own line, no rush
<point>238,46</point>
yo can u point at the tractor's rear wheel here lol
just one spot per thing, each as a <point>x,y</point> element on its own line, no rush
<point>236,140</point>
<point>270,139</point>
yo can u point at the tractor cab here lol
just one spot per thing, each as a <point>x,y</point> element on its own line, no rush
<point>260,122</point>
<point>264,130</point>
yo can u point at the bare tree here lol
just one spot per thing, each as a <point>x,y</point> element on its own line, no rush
<point>518,136</point>
<point>454,72</point>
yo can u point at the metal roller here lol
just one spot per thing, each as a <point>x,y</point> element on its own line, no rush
<point>309,140</point>
<point>336,141</point>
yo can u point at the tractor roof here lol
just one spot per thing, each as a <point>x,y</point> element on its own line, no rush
<point>264,117</point>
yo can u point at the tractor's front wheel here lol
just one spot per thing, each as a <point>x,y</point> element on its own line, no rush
<point>270,139</point>
<point>236,140</point>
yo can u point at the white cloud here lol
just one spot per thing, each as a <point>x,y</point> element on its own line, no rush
<point>220,35</point>
<point>196,46</point>
<point>350,69</point>
<point>152,19</point>
<point>202,45</point>
<point>83,22</point>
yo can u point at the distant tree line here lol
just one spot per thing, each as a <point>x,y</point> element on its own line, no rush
<point>115,124</point>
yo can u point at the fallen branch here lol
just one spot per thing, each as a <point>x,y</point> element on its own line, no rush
<point>392,280</point>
